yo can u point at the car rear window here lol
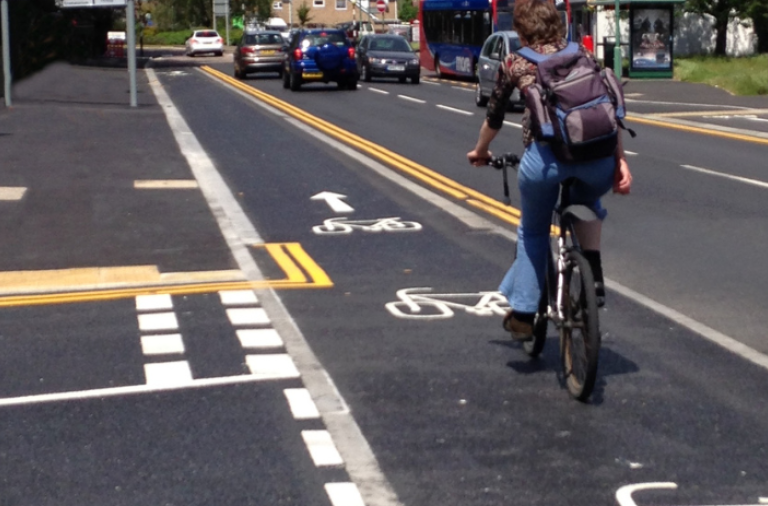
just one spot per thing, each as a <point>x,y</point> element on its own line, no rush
<point>209,33</point>
<point>321,39</point>
<point>261,39</point>
<point>390,44</point>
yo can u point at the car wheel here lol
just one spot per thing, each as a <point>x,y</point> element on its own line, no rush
<point>437,67</point>
<point>219,53</point>
<point>286,80</point>
<point>295,82</point>
<point>366,73</point>
<point>415,80</point>
<point>401,79</point>
<point>191,54</point>
<point>352,84</point>
<point>480,99</point>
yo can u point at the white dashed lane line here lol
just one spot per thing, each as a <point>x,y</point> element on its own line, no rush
<point>411,99</point>
<point>453,109</point>
<point>376,90</point>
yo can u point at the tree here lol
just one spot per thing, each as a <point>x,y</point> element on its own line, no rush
<point>406,11</point>
<point>303,13</point>
<point>721,10</point>
<point>758,11</point>
<point>263,10</point>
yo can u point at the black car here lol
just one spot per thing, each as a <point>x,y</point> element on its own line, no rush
<point>320,55</point>
<point>387,56</point>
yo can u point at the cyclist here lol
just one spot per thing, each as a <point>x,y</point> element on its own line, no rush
<point>538,25</point>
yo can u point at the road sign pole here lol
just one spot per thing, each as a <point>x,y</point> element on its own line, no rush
<point>617,47</point>
<point>6,53</point>
<point>130,29</point>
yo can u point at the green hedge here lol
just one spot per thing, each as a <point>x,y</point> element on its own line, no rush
<point>178,37</point>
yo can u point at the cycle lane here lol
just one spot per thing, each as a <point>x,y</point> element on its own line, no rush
<point>452,410</point>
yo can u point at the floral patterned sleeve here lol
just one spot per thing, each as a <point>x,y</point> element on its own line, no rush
<point>515,72</point>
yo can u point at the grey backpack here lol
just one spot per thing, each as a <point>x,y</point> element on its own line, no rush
<point>575,105</point>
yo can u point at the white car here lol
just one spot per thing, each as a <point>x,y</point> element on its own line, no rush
<point>204,41</point>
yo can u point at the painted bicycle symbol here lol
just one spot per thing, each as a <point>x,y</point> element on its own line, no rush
<point>344,226</point>
<point>421,304</point>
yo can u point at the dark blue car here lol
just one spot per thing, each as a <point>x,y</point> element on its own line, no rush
<point>320,55</point>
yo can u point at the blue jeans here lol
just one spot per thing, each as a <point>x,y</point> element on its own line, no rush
<point>539,178</point>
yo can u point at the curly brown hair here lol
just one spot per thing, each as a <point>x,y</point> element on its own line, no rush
<point>538,22</point>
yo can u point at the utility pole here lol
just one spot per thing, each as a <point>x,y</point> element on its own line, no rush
<point>130,33</point>
<point>6,53</point>
<point>617,47</point>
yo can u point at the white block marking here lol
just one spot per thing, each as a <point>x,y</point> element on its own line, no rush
<point>12,192</point>
<point>168,373</point>
<point>513,124</point>
<point>272,366</point>
<point>259,338</point>
<point>158,321</point>
<point>344,494</point>
<point>247,316</point>
<point>301,403</point>
<point>321,448</point>
<point>162,344</point>
<point>154,302</point>
<point>238,297</point>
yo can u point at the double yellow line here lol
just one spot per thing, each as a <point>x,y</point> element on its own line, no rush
<point>428,176</point>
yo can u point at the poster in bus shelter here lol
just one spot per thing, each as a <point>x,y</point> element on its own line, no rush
<point>651,38</point>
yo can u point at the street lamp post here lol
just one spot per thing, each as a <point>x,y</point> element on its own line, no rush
<point>6,53</point>
<point>617,46</point>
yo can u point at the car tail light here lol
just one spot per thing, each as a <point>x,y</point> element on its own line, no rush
<point>193,41</point>
<point>351,52</point>
<point>220,41</point>
<point>297,54</point>
<point>246,50</point>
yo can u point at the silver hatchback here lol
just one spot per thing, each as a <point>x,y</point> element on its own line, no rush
<point>496,47</point>
<point>259,51</point>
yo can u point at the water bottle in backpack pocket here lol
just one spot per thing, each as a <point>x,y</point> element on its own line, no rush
<point>575,105</point>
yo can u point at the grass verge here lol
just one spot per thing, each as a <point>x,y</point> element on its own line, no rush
<point>739,76</point>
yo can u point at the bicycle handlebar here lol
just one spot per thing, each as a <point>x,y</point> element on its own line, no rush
<point>505,160</point>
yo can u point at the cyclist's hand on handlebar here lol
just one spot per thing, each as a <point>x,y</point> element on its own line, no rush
<point>479,158</point>
<point>622,177</point>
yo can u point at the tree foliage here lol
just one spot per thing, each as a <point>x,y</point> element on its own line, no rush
<point>303,13</point>
<point>722,10</point>
<point>406,11</point>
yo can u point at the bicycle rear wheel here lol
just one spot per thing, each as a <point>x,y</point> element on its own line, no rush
<point>580,331</point>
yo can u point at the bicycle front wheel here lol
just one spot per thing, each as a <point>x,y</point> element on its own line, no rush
<point>580,331</point>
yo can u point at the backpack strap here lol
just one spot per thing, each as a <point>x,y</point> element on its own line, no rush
<point>534,57</point>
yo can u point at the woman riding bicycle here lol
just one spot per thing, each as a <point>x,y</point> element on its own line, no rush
<point>539,27</point>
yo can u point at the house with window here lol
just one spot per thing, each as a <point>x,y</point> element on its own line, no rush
<point>329,13</point>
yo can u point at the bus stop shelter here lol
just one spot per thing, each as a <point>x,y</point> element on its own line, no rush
<point>651,36</point>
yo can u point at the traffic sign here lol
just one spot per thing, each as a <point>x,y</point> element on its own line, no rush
<point>381,5</point>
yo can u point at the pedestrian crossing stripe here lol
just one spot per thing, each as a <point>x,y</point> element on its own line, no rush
<point>61,286</point>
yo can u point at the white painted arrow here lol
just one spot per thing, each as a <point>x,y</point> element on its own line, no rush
<point>334,200</point>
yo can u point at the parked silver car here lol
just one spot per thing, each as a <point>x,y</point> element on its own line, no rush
<point>496,47</point>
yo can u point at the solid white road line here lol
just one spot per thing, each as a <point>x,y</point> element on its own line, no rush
<point>753,182</point>
<point>154,302</point>
<point>301,403</point>
<point>152,322</point>
<point>247,316</point>
<point>163,344</point>
<point>453,109</point>
<point>259,338</point>
<point>344,494</point>
<point>411,99</point>
<point>238,297</point>
<point>321,448</point>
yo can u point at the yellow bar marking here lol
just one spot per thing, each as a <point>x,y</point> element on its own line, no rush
<point>731,112</point>
<point>165,184</point>
<point>12,192</point>
<point>289,267</point>
<point>318,275</point>
<point>504,216</point>
<point>698,130</point>
<point>61,286</point>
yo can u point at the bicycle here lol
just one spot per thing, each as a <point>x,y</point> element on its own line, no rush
<point>568,298</point>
